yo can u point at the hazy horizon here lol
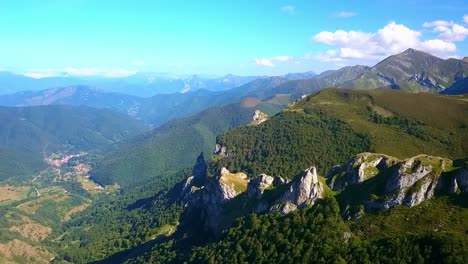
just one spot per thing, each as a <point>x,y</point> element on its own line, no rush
<point>90,38</point>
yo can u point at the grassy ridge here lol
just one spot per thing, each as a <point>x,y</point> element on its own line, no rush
<point>443,119</point>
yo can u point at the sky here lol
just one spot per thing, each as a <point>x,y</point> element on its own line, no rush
<point>116,38</point>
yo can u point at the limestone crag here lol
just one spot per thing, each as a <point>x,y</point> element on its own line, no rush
<point>257,185</point>
<point>391,182</point>
<point>362,167</point>
<point>304,190</point>
<point>414,181</point>
<point>259,117</point>
<point>196,181</point>
<point>221,151</point>
<point>211,197</point>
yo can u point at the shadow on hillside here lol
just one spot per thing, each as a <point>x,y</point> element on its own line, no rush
<point>125,255</point>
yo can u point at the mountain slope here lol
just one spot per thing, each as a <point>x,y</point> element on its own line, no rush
<point>336,122</point>
<point>175,144</point>
<point>459,87</point>
<point>75,95</point>
<point>412,70</point>
<point>29,134</point>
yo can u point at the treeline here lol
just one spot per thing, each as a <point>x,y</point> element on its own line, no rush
<point>407,125</point>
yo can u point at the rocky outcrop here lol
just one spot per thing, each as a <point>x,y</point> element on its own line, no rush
<point>414,181</point>
<point>304,190</point>
<point>283,208</point>
<point>196,180</point>
<point>258,184</point>
<point>221,151</point>
<point>259,117</point>
<point>359,169</point>
<point>388,182</point>
<point>424,79</point>
<point>210,198</point>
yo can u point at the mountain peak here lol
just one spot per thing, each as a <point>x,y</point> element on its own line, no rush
<point>412,52</point>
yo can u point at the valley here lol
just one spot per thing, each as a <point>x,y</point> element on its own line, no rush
<point>33,209</point>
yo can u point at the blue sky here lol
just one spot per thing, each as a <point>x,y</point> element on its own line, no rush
<point>114,38</point>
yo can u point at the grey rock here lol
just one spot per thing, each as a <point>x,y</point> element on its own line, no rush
<point>304,190</point>
<point>258,184</point>
<point>259,117</point>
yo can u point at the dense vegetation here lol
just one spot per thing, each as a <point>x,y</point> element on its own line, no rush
<point>289,143</point>
<point>30,134</point>
<point>319,235</point>
<point>174,145</point>
<point>120,221</point>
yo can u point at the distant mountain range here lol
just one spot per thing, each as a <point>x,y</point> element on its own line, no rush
<point>180,96</point>
<point>411,70</point>
<point>140,84</point>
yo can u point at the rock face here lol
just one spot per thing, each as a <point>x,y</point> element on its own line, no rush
<point>304,190</point>
<point>259,117</point>
<point>195,181</point>
<point>221,151</point>
<point>258,184</point>
<point>424,79</point>
<point>360,168</point>
<point>391,182</point>
<point>211,199</point>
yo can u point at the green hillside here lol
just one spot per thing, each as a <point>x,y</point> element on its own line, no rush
<point>320,235</point>
<point>30,134</point>
<point>326,128</point>
<point>174,145</point>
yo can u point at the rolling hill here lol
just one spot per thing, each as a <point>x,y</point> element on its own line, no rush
<point>396,123</point>
<point>30,134</point>
<point>175,144</point>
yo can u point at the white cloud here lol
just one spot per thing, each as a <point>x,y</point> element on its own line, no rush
<point>438,23</point>
<point>438,46</point>
<point>269,62</point>
<point>283,58</point>
<point>138,63</point>
<point>264,62</point>
<point>465,19</point>
<point>341,38</point>
<point>97,72</point>
<point>42,73</point>
<point>345,14</point>
<point>365,47</point>
<point>448,30</point>
<point>288,9</point>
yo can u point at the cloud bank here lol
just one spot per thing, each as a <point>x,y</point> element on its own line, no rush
<point>357,46</point>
